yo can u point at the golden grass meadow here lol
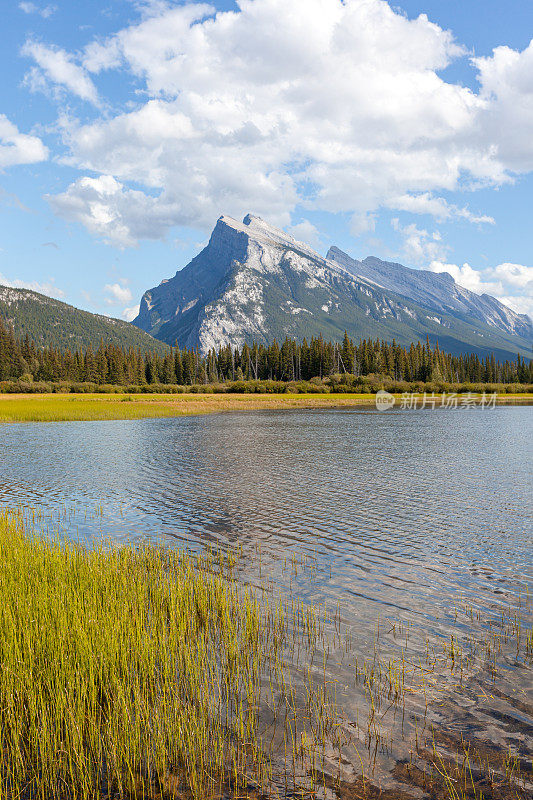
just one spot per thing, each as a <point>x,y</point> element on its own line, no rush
<point>76,407</point>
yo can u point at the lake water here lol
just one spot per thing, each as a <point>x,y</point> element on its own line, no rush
<point>403,515</point>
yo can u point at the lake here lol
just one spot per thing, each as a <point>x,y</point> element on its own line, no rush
<point>396,518</point>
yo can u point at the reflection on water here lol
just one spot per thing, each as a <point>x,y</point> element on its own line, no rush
<point>404,509</point>
<point>405,514</point>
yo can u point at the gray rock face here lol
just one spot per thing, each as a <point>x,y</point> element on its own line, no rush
<point>437,291</point>
<point>255,282</point>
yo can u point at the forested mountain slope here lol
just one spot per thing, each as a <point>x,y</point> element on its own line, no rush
<point>52,323</point>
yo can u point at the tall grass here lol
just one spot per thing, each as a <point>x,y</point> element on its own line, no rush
<point>138,672</point>
<point>77,407</point>
<point>59,408</point>
<point>64,408</point>
<point>128,671</point>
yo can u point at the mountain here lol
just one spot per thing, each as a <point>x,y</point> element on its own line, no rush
<point>437,291</point>
<point>52,323</point>
<point>255,282</point>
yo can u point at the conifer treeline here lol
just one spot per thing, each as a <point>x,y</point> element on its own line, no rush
<point>292,361</point>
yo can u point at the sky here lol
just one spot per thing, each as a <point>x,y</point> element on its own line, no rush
<point>400,129</point>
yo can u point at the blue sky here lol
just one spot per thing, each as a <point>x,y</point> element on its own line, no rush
<point>127,128</point>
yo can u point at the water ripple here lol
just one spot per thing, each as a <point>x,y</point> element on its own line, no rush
<point>408,510</point>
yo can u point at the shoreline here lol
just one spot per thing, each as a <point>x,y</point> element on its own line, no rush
<point>146,701</point>
<point>95,407</point>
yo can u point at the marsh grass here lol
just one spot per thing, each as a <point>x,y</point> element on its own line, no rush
<point>59,408</point>
<point>79,407</point>
<point>142,672</point>
<point>138,672</point>
<point>68,407</point>
<point>65,408</point>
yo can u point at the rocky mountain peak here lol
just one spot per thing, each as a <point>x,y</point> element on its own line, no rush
<point>254,281</point>
<point>251,226</point>
<point>255,230</point>
<point>252,219</point>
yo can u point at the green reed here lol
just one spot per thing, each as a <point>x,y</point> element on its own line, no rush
<point>128,671</point>
<point>138,672</point>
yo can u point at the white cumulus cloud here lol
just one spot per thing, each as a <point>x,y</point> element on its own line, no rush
<point>115,213</point>
<point>129,314</point>
<point>330,105</point>
<point>340,108</point>
<point>420,245</point>
<point>468,277</point>
<point>306,232</point>
<point>438,207</point>
<point>506,79</point>
<point>117,293</point>
<point>19,148</point>
<point>515,274</point>
<point>59,68</point>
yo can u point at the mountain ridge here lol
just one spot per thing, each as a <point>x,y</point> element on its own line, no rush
<point>429,287</point>
<point>53,323</point>
<point>254,281</point>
